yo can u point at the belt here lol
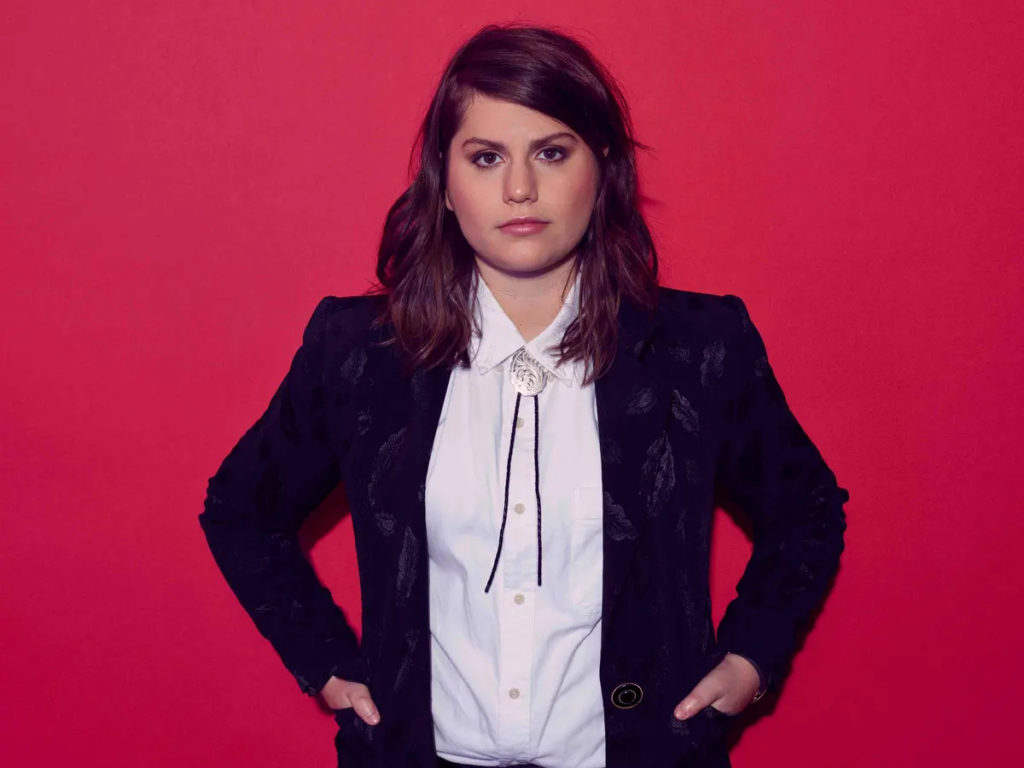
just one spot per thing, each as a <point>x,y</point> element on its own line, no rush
<point>442,763</point>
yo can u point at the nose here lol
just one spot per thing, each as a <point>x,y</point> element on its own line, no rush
<point>520,183</point>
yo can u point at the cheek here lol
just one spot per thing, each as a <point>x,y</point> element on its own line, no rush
<point>468,200</point>
<point>579,194</point>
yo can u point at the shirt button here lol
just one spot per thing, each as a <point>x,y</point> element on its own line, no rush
<point>519,598</point>
<point>519,508</point>
<point>513,693</point>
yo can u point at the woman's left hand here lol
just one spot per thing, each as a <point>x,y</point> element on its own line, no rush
<point>729,687</point>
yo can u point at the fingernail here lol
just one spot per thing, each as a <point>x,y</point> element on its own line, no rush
<point>374,717</point>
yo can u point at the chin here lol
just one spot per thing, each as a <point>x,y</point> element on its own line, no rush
<point>536,259</point>
<point>526,265</point>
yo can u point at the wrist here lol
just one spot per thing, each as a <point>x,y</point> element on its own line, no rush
<point>761,686</point>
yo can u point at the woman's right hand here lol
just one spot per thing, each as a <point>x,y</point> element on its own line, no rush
<point>341,694</point>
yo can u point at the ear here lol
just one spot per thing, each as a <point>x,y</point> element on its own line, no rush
<point>448,202</point>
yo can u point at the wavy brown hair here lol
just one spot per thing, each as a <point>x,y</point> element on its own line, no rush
<point>425,267</point>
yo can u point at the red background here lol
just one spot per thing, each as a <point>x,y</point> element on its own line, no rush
<point>183,181</point>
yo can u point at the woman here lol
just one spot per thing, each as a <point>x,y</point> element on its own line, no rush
<point>533,436</point>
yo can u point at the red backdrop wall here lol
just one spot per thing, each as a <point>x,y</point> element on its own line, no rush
<point>183,181</point>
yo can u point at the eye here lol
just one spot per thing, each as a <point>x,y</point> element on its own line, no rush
<point>482,155</point>
<point>559,150</point>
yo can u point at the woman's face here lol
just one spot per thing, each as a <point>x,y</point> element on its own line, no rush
<point>508,161</point>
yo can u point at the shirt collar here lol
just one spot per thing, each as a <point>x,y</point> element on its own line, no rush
<point>499,336</point>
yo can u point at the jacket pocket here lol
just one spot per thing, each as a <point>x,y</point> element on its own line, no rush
<point>353,740</point>
<point>721,721</point>
<point>700,739</point>
<point>586,566</point>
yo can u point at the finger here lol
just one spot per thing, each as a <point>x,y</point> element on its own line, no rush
<point>701,696</point>
<point>687,707</point>
<point>366,709</point>
<point>352,692</point>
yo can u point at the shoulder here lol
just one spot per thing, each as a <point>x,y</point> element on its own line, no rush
<point>707,315</point>
<point>344,319</point>
<point>713,331</point>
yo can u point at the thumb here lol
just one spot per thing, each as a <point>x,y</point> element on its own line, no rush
<point>695,701</point>
<point>364,707</point>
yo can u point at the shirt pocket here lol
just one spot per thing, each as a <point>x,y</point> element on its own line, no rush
<point>587,550</point>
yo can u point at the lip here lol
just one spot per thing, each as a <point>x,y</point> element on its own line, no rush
<point>526,225</point>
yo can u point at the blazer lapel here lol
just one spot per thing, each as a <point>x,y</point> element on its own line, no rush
<point>633,408</point>
<point>428,391</point>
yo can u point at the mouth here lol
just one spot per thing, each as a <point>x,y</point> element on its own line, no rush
<point>523,226</point>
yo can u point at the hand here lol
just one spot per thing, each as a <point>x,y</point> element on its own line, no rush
<point>341,694</point>
<point>729,687</point>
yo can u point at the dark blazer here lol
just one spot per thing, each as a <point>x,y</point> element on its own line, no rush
<point>690,416</point>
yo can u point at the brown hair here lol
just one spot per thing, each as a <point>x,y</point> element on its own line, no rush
<point>424,264</point>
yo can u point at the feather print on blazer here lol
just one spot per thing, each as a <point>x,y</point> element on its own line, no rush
<point>690,416</point>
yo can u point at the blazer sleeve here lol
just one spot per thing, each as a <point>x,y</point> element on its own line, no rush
<point>278,472</point>
<point>772,470</point>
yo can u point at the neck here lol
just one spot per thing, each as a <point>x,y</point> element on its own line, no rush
<point>530,300</point>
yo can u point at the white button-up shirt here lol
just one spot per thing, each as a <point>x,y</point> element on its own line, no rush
<point>515,670</point>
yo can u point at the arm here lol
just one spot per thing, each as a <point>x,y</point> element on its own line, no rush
<point>277,473</point>
<point>773,471</point>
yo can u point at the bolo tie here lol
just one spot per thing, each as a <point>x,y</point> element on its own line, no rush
<point>528,378</point>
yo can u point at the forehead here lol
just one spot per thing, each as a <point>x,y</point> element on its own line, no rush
<point>501,120</point>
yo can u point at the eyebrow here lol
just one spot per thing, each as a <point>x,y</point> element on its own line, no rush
<point>533,144</point>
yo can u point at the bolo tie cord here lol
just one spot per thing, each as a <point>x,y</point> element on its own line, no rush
<point>536,485</point>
